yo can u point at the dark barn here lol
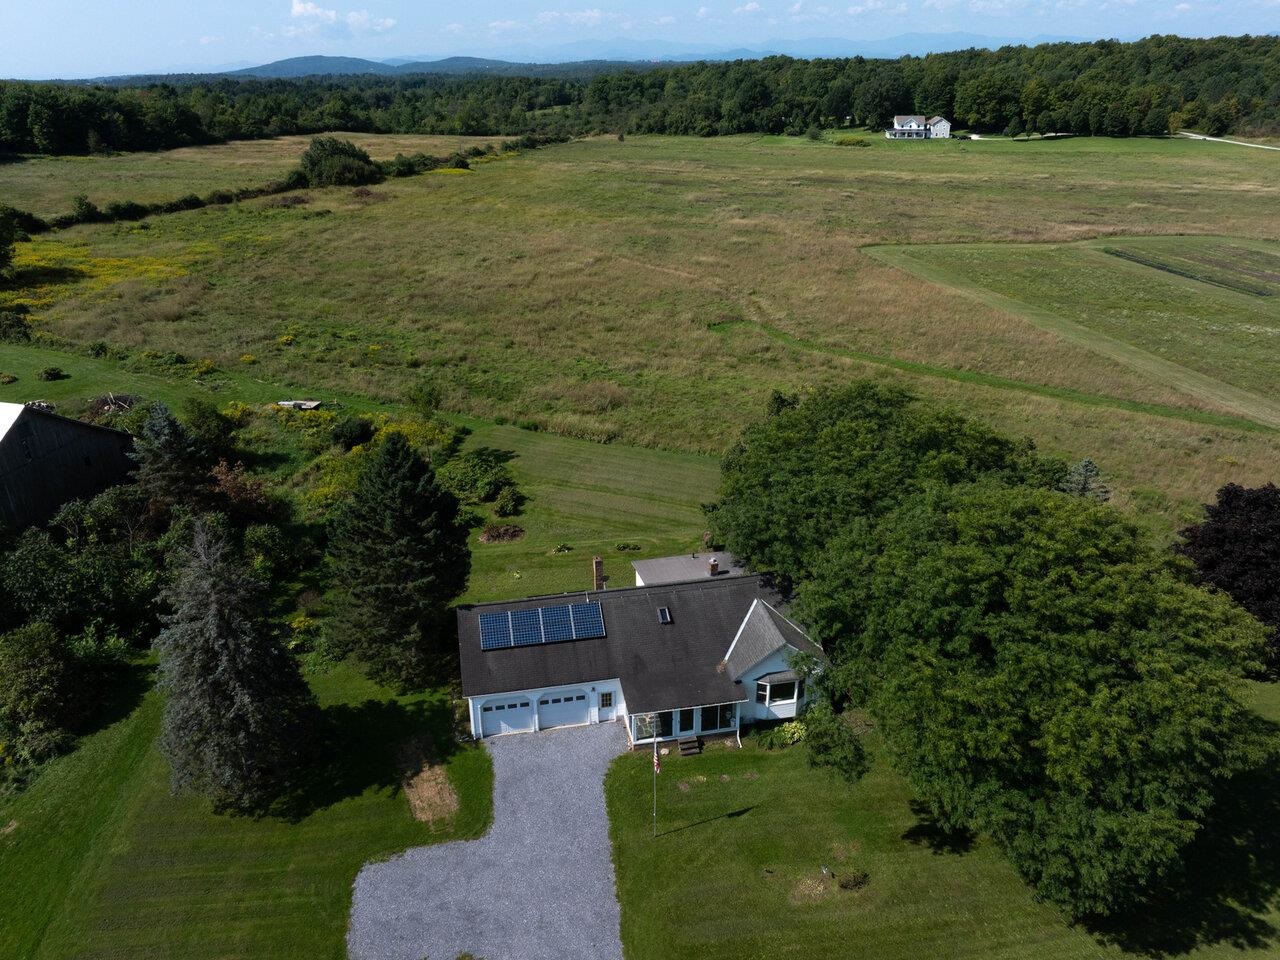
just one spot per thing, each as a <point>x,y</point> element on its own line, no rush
<point>47,460</point>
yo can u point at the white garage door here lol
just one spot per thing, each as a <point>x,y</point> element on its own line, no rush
<point>506,716</point>
<point>562,708</point>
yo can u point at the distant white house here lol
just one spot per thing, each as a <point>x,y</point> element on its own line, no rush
<point>911,127</point>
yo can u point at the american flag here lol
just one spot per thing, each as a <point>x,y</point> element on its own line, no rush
<point>657,764</point>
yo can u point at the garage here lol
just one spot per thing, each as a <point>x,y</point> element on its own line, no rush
<point>514,715</point>
<point>563,708</point>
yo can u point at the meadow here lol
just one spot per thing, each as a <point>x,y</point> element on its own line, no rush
<point>654,291</point>
<point>46,185</point>
<point>611,314</point>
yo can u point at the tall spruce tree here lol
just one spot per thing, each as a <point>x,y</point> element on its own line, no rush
<point>239,720</point>
<point>170,460</point>
<point>399,556</point>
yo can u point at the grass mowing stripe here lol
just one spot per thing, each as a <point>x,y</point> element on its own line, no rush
<point>1251,405</point>
<point>1004,383</point>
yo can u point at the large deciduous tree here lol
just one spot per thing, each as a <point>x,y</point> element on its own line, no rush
<point>1043,675</point>
<point>36,696</point>
<point>1237,549</point>
<point>239,719</point>
<point>399,557</point>
<point>844,456</point>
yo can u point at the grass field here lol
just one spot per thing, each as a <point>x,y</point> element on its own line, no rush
<point>45,186</point>
<point>736,871</point>
<point>1197,313</point>
<point>110,865</point>
<point>655,290</point>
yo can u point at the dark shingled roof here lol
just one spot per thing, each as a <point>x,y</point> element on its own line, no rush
<point>661,666</point>
<point>763,632</point>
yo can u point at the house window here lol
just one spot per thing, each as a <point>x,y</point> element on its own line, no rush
<point>782,692</point>
<point>710,718</point>
<point>664,723</point>
<point>762,692</point>
<point>606,700</point>
<point>726,715</point>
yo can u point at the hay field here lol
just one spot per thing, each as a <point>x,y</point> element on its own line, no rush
<point>655,290</point>
<point>45,186</point>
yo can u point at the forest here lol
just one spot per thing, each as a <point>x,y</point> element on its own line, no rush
<point>1223,85</point>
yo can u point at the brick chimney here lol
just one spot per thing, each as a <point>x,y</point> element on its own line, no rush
<point>597,573</point>
<point>713,567</point>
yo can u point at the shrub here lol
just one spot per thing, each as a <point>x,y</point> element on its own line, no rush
<point>84,210</point>
<point>508,502</point>
<point>814,133</point>
<point>13,328</point>
<point>477,476</point>
<point>832,743</point>
<point>125,210</point>
<point>7,378</point>
<point>331,162</point>
<point>783,735</point>
<point>49,374</point>
<point>351,432</point>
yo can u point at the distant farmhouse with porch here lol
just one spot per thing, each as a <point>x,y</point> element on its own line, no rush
<point>698,648</point>
<point>47,460</point>
<point>912,127</point>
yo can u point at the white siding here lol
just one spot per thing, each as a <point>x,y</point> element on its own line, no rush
<point>595,713</point>
<point>775,663</point>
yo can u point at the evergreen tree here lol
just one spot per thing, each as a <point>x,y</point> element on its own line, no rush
<point>8,235</point>
<point>239,720</point>
<point>399,556</point>
<point>1084,479</point>
<point>170,460</point>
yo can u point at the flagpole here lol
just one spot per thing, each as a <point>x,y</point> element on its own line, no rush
<point>654,722</point>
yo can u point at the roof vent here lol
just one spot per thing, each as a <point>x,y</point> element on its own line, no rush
<point>713,566</point>
<point>664,615</point>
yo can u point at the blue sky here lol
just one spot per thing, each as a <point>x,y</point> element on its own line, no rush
<point>76,38</point>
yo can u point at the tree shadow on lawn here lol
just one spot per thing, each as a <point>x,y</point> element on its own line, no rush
<point>359,746</point>
<point>1229,882</point>
<point>928,832</point>
<point>115,689</point>
<point>25,277</point>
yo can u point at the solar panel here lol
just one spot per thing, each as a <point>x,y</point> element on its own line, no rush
<point>557,624</point>
<point>588,621</point>
<point>523,628</point>
<point>526,627</point>
<point>495,631</point>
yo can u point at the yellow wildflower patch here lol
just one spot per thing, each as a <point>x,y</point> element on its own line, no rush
<point>48,271</point>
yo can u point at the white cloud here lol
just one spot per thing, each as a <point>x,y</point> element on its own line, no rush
<point>1182,8</point>
<point>751,7</point>
<point>205,41</point>
<point>503,26</point>
<point>884,6</point>
<point>454,28</point>
<point>361,21</point>
<point>702,13</point>
<point>306,10</point>
<point>665,20</point>
<point>576,18</point>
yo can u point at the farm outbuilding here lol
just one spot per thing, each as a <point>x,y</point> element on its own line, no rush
<point>47,460</point>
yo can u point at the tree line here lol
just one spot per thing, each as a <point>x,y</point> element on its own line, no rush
<point>1040,671</point>
<point>1147,87</point>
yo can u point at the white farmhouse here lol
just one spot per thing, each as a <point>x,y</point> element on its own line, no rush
<point>912,127</point>
<point>670,661</point>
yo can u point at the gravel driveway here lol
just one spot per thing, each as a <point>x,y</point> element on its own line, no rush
<point>538,886</point>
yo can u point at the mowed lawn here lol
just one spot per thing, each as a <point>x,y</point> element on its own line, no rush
<point>46,185</point>
<point>101,861</point>
<point>1200,313</point>
<point>737,871</point>
<point>654,291</point>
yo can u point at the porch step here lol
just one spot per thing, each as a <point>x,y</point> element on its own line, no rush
<point>690,746</point>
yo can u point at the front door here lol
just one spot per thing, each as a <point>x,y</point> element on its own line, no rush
<point>684,722</point>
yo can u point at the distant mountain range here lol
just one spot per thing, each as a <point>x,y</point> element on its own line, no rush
<point>584,56</point>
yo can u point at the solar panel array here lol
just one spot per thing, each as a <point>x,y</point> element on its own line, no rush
<point>523,628</point>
